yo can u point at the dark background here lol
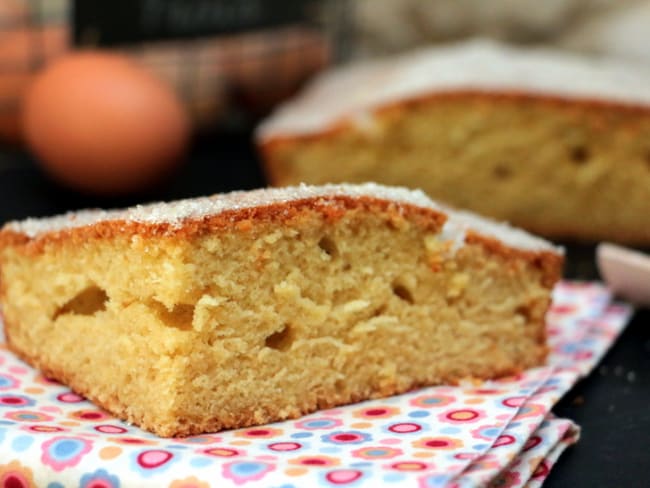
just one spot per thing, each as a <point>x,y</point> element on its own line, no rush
<point>121,22</point>
<point>612,405</point>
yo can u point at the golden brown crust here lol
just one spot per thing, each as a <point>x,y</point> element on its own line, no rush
<point>331,207</point>
<point>549,263</point>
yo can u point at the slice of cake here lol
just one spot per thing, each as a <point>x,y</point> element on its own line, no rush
<point>552,142</point>
<point>252,307</point>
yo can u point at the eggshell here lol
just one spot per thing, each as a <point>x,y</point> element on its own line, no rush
<point>104,124</point>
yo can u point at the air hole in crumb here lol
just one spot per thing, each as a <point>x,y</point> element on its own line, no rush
<point>502,172</point>
<point>380,310</point>
<point>403,292</point>
<point>87,302</point>
<point>524,311</point>
<point>179,317</point>
<point>579,155</point>
<point>328,246</point>
<point>280,340</point>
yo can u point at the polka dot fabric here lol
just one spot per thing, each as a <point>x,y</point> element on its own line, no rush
<point>499,432</point>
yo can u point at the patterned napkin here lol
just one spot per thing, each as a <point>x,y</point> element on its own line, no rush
<point>498,433</point>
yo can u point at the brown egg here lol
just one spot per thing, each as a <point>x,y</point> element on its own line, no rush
<point>104,124</point>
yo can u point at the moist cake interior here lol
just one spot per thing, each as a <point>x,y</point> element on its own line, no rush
<point>296,308</point>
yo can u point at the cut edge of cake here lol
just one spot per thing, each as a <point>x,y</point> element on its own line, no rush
<point>241,211</point>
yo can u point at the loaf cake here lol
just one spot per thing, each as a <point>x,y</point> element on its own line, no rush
<point>549,141</point>
<point>251,307</point>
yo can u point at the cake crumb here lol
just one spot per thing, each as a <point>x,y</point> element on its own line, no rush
<point>457,285</point>
<point>355,306</point>
<point>213,340</point>
<point>578,401</point>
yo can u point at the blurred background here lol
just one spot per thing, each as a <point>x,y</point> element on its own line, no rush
<point>227,63</point>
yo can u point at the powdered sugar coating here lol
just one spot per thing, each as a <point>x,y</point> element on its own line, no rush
<point>178,212</point>
<point>352,92</point>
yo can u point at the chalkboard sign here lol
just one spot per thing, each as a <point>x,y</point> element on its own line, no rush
<point>113,22</point>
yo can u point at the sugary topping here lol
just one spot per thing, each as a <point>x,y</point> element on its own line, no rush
<point>352,92</point>
<point>178,212</point>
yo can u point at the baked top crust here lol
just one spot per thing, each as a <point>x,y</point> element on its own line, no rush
<point>479,66</point>
<point>198,214</point>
